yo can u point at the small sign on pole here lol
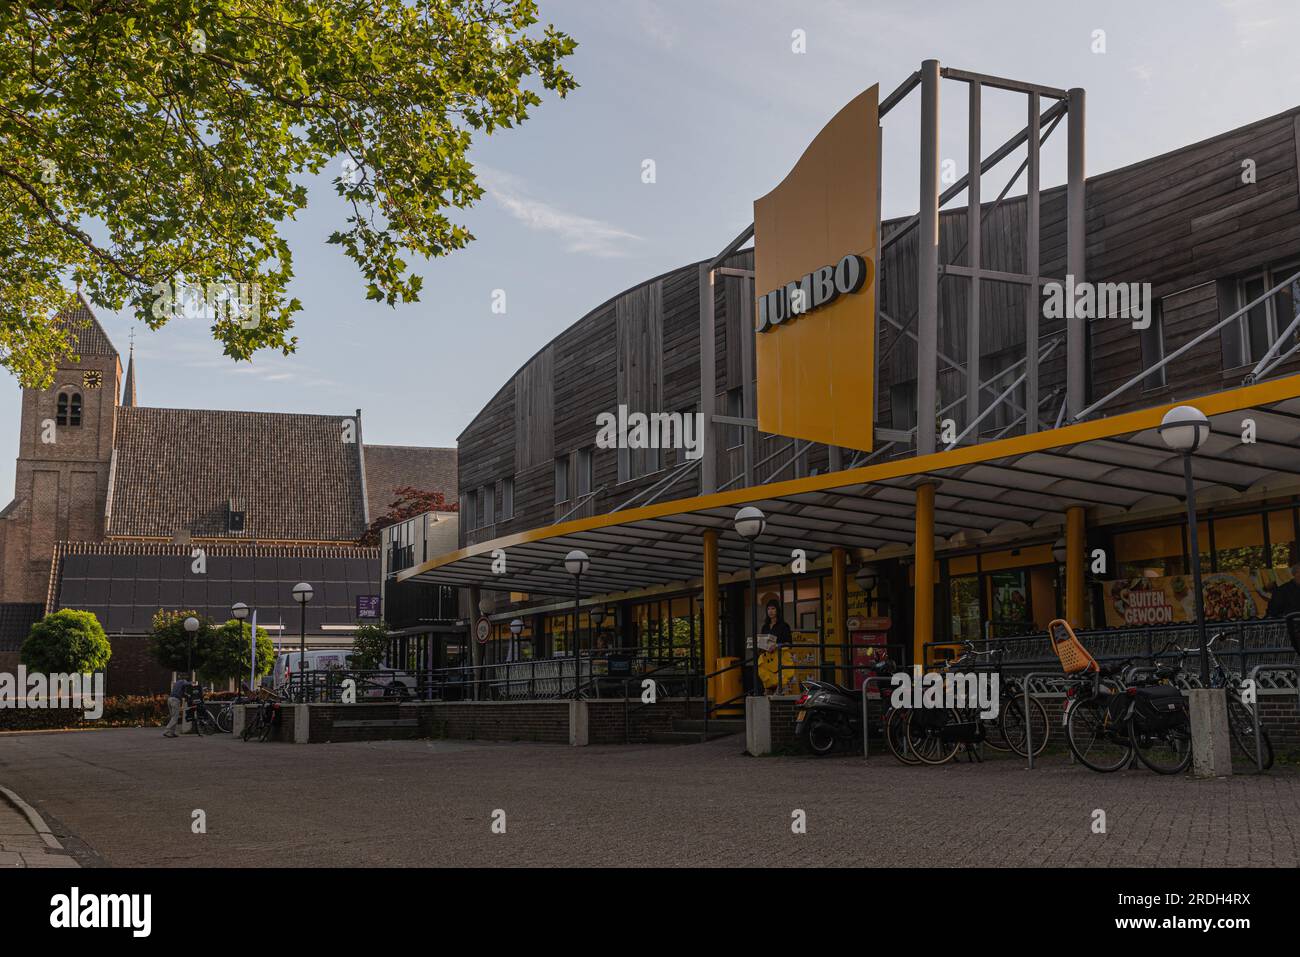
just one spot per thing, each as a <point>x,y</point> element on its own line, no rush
<point>367,606</point>
<point>483,630</point>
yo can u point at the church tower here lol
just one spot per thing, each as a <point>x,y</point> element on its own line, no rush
<point>65,453</point>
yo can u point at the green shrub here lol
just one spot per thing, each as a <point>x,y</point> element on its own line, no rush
<point>66,642</point>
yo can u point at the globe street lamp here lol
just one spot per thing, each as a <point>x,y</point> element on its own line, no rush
<point>750,524</point>
<point>1185,429</point>
<point>867,580</point>
<point>191,628</point>
<point>302,593</point>
<point>516,627</point>
<point>576,563</point>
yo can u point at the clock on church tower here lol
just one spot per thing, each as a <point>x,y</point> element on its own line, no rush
<point>92,379</point>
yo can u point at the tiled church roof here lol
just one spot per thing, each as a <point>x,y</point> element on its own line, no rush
<point>89,337</point>
<point>389,467</point>
<point>293,476</point>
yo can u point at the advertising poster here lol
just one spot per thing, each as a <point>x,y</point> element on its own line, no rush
<point>1229,596</point>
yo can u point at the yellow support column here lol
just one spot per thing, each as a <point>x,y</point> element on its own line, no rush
<point>1075,545</point>
<point>923,594</point>
<point>711,608</point>
<point>839,633</point>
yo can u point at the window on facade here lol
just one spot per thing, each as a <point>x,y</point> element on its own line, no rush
<point>507,499</point>
<point>69,409</point>
<point>489,504</point>
<point>1259,327</point>
<point>562,479</point>
<point>467,515</point>
<point>1152,340</point>
<point>634,463</point>
<point>583,462</point>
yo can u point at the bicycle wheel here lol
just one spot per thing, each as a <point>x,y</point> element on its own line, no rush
<point>1167,751</point>
<point>924,730</point>
<point>1011,722</point>
<point>1093,743</point>
<point>896,736</point>
<point>1241,722</point>
<point>226,720</point>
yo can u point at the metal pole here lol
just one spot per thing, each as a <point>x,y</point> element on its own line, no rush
<point>1075,255</point>
<point>927,263</point>
<point>753,607</point>
<point>302,651</point>
<point>252,654</point>
<point>1196,568</point>
<point>1033,298</point>
<point>973,218</point>
<point>708,384</point>
<point>577,598</point>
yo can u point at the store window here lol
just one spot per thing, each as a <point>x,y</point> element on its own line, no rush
<point>967,616</point>
<point>1239,543</point>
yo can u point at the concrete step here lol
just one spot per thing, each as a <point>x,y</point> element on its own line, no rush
<point>722,725</point>
<point>685,737</point>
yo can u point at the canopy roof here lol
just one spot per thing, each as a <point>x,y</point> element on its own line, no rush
<point>1113,467</point>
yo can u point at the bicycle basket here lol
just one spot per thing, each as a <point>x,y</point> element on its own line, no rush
<point>1074,657</point>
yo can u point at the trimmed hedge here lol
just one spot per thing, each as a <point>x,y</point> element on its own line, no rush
<point>120,711</point>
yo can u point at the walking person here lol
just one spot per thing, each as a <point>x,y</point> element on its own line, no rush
<point>176,704</point>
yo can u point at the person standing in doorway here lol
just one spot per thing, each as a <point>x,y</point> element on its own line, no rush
<point>774,623</point>
<point>175,704</point>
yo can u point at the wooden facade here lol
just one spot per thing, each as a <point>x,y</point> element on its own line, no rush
<point>1188,222</point>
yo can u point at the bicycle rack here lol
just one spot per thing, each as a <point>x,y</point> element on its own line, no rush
<point>1029,722</point>
<point>1254,706</point>
<point>866,728</point>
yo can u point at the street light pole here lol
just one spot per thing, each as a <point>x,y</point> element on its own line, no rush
<point>1194,547</point>
<point>750,523</point>
<point>302,593</point>
<point>576,562</point>
<point>1184,429</point>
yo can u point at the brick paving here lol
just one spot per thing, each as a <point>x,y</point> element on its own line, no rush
<point>129,795</point>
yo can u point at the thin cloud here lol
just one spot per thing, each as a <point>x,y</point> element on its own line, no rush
<point>581,234</point>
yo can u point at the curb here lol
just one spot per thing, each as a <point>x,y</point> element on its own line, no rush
<point>33,818</point>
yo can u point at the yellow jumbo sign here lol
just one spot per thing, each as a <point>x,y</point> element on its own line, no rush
<point>815,249</point>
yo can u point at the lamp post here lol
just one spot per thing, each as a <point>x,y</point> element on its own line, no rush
<point>240,611</point>
<point>191,628</point>
<point>750,524</point>
<point>1185,429</point>
<point>597,616</point>
<point>302,593</point>
<point>867,580</point>
<point>576,562</point>
<point>516,627</point>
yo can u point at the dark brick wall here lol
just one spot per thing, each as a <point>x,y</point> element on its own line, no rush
<point>325,718</point>
<point>131,670</point>
<point>605,724</point>
<point>526,721</point>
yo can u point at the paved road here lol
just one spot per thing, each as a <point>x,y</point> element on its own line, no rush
<point>125,797</point>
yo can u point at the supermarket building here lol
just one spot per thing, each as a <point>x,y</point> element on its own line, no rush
<point>940,450</point>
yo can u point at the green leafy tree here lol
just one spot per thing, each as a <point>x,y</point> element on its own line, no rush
<point>369,645</point>
<point>66,642</point>
<point>169,642</point>
<point>155,145</point>
<point>225,652</point>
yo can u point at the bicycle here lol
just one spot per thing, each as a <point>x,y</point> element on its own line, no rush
<point>1117,714</point>
<point>936,735</point>
<point>198,715</point>
<point>1241,716</point>
<point>261,724</point>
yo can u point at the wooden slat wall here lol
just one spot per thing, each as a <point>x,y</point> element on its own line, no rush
<point>1183,221</point>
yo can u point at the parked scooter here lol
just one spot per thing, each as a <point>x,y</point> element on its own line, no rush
<point>829,716</point>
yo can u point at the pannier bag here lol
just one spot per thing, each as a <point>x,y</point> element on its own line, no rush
<point>1074,657</point>
<point>1159,708</point>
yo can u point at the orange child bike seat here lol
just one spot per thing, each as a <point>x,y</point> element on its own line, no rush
<point>1074,657</point>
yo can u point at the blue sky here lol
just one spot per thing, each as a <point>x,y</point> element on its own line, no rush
<point>712,92</point>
